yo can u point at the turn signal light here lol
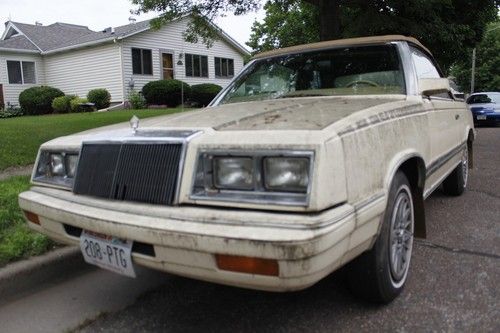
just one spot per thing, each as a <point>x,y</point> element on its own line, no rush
<point>32,217</point>
<point>247,265</point>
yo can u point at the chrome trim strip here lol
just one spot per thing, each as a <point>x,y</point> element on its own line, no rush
<point>382,117</point>
<point>434,166</point>
<point>408,68</point>
<point>363,204</point>
<point>182,161</point>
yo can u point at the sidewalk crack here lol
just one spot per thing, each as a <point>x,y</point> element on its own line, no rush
<point>456,250</point>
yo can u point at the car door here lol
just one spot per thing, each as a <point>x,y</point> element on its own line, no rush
<point>444,120</point>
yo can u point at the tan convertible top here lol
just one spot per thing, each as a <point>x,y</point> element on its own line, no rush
<point>340,42</point>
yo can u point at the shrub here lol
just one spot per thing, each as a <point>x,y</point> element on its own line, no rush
<point>10,112</point>
<point>38,100</point>
<point>165,92</point>
<point>100,97</point>
<point>203,94</point>
<point>136,100</point>
<point>76,107</point>
<point>62,104</point>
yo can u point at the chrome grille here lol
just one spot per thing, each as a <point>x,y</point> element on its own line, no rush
<point>144,172</point>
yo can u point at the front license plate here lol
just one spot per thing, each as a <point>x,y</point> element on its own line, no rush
<point>481,117</point>
<point>107,252</point>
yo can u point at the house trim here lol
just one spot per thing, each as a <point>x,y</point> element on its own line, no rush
<point>11,25</point>
<point>4,49</point>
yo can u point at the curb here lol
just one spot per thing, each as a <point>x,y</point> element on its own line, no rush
<point>16,171</point>
<point>28,274</point>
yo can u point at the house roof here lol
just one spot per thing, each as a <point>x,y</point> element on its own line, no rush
<point>18,42</point>
<point>60,37</point>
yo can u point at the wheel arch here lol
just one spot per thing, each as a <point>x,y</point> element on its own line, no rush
<point>413,166</point>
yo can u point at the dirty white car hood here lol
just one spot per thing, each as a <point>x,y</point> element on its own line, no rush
<point>306,113</point>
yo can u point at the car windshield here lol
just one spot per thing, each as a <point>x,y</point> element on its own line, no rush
<point>360,70</point>
<point>484,98</point>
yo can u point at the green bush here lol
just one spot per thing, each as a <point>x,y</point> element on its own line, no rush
<point>10,112</point>
<point>136,100</point>
<point>76,107</point>
<point>38,100</point>
<point>203,94</point>
<point>62,104</point>
<point>100,97</point>
<point>165,92</point>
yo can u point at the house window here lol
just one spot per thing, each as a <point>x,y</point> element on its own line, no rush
<point>224,67</point>
<point>21,72</point>
<point>142,62</point>
<point>196,65</point>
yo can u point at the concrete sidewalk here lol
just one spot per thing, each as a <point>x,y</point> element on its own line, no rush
<point>62,303</point>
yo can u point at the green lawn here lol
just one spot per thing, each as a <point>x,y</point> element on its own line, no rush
<point>20,137</point>
<point>16,240</point>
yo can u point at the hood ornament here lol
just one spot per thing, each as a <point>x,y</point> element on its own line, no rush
<point>134,123</point>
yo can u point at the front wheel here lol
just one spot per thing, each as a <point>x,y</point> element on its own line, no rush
<point>456,182</point>
<point>380,274</point>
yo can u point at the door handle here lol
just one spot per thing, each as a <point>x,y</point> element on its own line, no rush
<point>457,116</point>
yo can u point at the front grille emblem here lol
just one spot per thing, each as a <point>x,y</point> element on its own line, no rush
<point>134,123</point>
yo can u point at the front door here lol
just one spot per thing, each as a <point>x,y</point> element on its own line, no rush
<point>167,65</point>
<point>2,103</point>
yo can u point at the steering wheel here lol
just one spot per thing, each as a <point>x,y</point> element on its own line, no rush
<point>362,82</point>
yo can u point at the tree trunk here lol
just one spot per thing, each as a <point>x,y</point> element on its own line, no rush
<point>329,18</point>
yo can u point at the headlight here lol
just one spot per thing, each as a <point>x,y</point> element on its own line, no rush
<point>56,164</point>
<point>57,168</point>
<point>71,162</point>
<point>263,177</point>
<point>286,173</point>
<point>233,173</point>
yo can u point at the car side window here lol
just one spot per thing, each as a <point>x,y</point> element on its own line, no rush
<point>424,66</point>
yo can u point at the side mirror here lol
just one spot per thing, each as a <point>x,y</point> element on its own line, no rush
<point>428,87</point>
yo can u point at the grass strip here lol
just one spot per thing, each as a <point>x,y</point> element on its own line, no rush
<point>16,240</point>
<point>21,137</point>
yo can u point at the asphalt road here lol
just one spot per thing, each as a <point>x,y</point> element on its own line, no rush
<point>453,283</point>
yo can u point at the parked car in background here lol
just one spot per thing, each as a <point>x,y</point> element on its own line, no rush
<point>314,157</point>
<point>485,107</point>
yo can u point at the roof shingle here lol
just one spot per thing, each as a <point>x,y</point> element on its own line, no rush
<point>61,35</point>
<point>18,42</point>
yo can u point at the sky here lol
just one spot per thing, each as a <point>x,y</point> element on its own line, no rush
<point>100,14</point>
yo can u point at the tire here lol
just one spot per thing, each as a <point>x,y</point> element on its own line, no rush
<point>379,275</point>
<point>456,182</point>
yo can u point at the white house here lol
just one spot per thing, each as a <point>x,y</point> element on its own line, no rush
<point>76,59</point>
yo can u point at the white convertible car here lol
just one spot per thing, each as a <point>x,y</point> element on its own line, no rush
<point>314,157</point>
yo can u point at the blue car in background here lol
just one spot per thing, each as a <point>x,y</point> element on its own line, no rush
<point>485,107</point>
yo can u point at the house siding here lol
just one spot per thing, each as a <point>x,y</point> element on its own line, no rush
<point>169,39</point>
<point>11,91</point>
<point>79,71</point>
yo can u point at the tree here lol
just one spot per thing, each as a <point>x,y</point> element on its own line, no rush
<point>439,24</point>
<point>487,76</point>
<point>447,27</point>
<point>286,23</point>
